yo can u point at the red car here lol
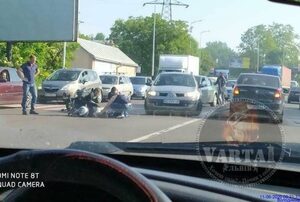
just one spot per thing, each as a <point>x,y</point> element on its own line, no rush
<point>10,86</point>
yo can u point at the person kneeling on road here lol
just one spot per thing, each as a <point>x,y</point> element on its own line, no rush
<point>94,101</point>
<point>117,105</point>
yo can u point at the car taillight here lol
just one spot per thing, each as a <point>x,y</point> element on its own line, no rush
<point>236,91</point>
<point>277,94</point>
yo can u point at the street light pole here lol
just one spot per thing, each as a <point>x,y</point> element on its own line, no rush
<point>153,38</point>
<point>257,67</point>
<point>64,55</point>
<point>206,31</point>
<point>191,30</point>
<point>153,42</point>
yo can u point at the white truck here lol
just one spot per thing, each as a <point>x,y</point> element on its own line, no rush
<point>179,63</point>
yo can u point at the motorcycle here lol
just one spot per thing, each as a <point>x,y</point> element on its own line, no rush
<point>77,105</point>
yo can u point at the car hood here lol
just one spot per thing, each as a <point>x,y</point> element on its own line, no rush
<point>181,89</point>
<point>58,84</point>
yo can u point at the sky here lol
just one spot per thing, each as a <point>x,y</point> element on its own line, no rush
<point>226,20</point>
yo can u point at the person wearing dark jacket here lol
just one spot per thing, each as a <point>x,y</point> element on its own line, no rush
<point>117,105</point>
<point>221,82</point>
<point>94,101</point>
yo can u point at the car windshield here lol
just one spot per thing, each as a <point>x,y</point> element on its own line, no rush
<point>295,89</point>
<point>138,80</point>
<point>109,79</point>
<point>212,74</point>
<point>258,80</point>
<point>63,75</point>
<point>175,80</point>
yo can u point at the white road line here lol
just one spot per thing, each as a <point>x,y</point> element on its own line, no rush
<point>163,131</point>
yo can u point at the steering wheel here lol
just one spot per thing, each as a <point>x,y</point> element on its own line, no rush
<point>77,168</point>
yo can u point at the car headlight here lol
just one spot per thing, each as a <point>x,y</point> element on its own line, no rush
<point>65,88</point>
<point>193,94</point>
<point>152,93</point>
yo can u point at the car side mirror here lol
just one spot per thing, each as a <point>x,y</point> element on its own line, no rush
<point>149,83</point>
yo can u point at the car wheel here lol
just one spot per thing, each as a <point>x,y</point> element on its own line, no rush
<point>214,102</point>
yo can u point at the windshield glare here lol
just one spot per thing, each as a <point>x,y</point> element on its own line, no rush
<point>175,80</point>
<point>65,76</point>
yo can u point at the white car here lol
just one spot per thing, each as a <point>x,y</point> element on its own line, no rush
<point>174,92</point>
<point>121,82</point>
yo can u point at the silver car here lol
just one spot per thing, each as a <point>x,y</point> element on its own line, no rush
<point>174,92</point>
<point>140,86</point>
<point>65,82</point>
<point>208,90</point>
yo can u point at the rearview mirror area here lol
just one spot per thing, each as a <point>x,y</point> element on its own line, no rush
<point>289,2</point>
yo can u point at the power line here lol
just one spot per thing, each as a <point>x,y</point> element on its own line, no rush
<point>166,11</point>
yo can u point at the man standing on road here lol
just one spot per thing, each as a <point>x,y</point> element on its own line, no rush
<point>221,82</point>
<point>27,73</point>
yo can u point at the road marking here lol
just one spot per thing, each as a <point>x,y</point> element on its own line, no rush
<point>163,131</point>
<point>50,106</point>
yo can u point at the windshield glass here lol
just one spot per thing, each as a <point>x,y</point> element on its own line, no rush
<point>109,79</point>
<point>258,80</point>
<point>212,73</point>
<point>63,75</point>
<point>175,80</point>
<point>138,80</point>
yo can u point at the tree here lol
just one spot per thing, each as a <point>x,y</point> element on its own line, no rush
<point>86,37</point>
<point>206,61</point>
<point>134,37</point>
<point>219,51</point>
<point>276,44</point>
<point>99,37</point>
<point>49,56</point>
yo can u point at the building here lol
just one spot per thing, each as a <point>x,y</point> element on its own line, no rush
<point>103,59</point>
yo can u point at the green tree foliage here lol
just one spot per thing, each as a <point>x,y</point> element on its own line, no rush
<point>219,51</point>
<point>49,56</point>
<point>278,44</point>
<point>134,37</point>
<point>99,37</point>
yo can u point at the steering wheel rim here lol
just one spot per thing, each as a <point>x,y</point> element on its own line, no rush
<point>74,166</point>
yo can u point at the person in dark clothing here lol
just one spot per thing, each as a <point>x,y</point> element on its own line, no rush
<point>221,82</point>
<point>27,73</point>
<point>94,101</point>
<point>117,105</point>
<point>112,92</point>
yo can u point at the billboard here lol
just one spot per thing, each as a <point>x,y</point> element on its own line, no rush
<point>37,20</point>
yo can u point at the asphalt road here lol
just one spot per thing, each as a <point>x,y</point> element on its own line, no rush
<point>52,128</point>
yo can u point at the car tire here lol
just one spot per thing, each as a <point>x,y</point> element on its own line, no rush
<point>214,102</point>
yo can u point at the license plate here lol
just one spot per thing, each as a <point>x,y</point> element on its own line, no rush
<point>171,101</point>
<point>50,94</point>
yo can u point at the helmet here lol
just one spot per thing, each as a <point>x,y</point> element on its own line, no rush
<point>83,111</point>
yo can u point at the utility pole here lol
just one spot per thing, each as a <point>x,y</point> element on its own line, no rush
<point>9,47</point>
<point>64,55</point>
<point>166,11</point>
<point>257,67</point>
